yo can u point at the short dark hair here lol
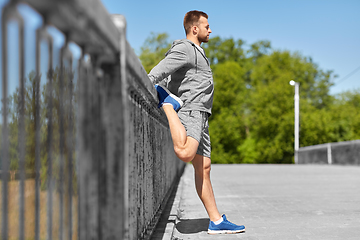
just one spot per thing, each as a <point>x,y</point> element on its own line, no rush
<point>191,18</point>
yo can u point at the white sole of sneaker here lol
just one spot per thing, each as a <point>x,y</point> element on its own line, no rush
<point>213,232</point>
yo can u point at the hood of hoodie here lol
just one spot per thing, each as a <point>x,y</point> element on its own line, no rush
<point>197,51</point>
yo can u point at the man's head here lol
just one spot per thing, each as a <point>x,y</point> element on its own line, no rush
<point>196,26</point>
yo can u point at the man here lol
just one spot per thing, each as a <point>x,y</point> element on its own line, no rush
<point>183,80</point>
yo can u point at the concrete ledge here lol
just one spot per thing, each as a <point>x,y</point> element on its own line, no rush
<point>170,216</point>
<point>341,153</point>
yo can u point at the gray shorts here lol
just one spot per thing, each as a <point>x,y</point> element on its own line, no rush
<point>197,126</point>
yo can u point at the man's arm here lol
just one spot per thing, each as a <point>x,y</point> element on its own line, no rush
<point>174,60</point>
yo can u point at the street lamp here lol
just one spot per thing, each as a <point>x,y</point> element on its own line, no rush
<point>297,113</point>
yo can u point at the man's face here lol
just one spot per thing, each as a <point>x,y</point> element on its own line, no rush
<point>203,30</point>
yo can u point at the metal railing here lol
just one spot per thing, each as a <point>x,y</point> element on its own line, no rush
<point>341,153</point>
<point>85,152</point>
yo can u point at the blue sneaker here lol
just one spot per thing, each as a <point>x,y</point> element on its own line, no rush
<point>225,227</point>
<point>166,97</point>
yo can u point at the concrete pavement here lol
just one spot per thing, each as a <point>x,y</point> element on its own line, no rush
<point>272,201</point>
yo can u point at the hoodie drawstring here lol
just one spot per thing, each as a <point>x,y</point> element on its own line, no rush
<point>195,60</point>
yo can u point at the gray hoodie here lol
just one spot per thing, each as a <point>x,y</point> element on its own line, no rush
<point>186,72</point>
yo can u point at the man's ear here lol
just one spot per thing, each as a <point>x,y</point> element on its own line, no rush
<point>195,29</point>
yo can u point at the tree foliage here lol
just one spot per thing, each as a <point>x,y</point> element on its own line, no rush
<point>154,50</point>
<point>68,113</point>
<point>253,111</point>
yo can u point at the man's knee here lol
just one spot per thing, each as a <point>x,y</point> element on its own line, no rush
<point>187,152</point>
<point>207,166</point>
<point>184,154</point>
<point>202,165</point>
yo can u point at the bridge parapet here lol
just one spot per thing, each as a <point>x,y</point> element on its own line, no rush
<point>341,153</point>
<point>101,151</point>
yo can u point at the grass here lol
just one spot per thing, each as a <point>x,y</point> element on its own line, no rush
<point>13,207</point>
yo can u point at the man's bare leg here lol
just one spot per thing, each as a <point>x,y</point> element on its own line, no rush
<point>185,147</point>
<point>202,166</point>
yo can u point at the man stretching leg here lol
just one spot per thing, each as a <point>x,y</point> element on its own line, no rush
<point>184,82</point>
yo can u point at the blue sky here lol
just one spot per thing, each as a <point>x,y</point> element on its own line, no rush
<point>32,21</point>
<point>326,30</point>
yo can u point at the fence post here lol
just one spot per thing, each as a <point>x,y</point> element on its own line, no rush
<point>116,126</point>
<point>329,156</point>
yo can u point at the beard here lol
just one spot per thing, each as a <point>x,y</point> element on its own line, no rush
<point>204,39</point>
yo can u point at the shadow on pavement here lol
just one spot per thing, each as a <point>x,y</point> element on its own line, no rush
<point>166,215</point>
<point>188,226</point>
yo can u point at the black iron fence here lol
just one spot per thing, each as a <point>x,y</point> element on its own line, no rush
<point>85,152</point>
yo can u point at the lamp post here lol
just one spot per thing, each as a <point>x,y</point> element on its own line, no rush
<point>297,113</point>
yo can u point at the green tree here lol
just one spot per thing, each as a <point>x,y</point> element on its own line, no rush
<point>348,104</point>
<point>227,125</point>
<point>68,89</point>
<point>338,122</point>
<point>271,107</point>
<point>29,118</point>
<point>68,103</point>
<point>222,50</point>
<point>253,110</point>
<point>153,50</point>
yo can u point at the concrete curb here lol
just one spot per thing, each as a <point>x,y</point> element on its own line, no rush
<point>175,209</point>
<point>170,217</point>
